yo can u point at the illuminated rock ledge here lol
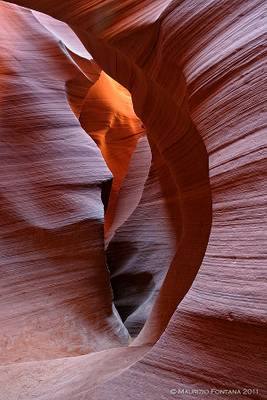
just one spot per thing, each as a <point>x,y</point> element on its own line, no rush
<point>150,286</point>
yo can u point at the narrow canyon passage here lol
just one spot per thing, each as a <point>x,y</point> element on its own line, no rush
<point>132,200</point>
<point>63,288</point>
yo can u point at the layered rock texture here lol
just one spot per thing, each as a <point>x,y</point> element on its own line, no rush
<point>132,200</point>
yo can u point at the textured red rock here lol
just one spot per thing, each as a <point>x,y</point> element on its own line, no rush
<point>50,211</point>
<point>195,72</point>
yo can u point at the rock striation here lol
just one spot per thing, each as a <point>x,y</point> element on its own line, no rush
<point>132,200</point>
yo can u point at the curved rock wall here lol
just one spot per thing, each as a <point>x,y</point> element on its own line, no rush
<point>187,154</point>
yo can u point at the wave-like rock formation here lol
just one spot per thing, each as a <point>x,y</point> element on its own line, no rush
<point>132,200</point>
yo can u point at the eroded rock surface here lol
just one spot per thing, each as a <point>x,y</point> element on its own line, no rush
<point>168,98</point>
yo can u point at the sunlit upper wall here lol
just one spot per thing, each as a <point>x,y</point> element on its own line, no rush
<point>64,33</point>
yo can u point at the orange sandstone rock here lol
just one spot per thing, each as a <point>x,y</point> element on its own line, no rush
<point>173,97</point>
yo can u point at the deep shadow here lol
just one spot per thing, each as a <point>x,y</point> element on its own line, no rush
<point>130,289</point>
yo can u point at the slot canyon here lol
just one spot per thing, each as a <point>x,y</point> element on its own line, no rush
<point>133,200</point>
